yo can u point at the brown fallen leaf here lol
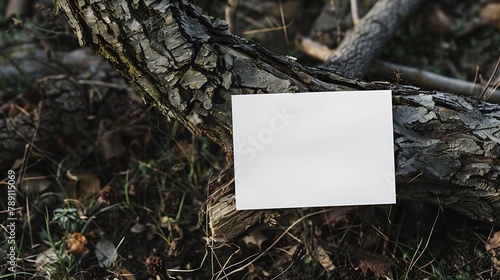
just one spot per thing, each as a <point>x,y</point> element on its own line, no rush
<point>378,264</point>
<point>324,259</point>
<point>493,248</point>
<point>76,244</point>
<point>255,239</point>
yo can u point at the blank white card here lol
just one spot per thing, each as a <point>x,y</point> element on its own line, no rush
<point>313,149</point>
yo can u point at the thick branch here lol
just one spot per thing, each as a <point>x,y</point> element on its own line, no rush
<point>188,66</point>
<point>414,76</point>
<point>362,45</point>
<point>185,63</point>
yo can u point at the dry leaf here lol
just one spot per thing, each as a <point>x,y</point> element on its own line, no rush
<point>378,264</point>
<point>490,14</point>
<point>105,252</point>
<point>89,185</point>
<point>290,253</point>
<point>324,259</point>
<point>255,239</point>
<point>493,248</point>
<point>17,163</point>
<point>76,244</point>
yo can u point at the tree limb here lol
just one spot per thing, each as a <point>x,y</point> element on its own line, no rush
<point>362,45</point>
<point>413,76</point>
<point>189,65</point>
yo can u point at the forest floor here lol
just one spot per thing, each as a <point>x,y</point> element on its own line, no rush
<point>129,208</point>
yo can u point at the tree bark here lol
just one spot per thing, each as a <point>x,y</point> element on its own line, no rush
<point>361,46</point>
<point>188,65</point>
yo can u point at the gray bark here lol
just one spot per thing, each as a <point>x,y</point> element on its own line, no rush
<point>188,65</point>
<point>361,46</point>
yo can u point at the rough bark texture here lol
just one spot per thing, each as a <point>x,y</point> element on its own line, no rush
<point>362,45</point>
<point>447,152</point>
<point>188,66</point>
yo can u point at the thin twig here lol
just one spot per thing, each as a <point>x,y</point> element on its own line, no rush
<point>490,80</point>
<point>312,48</point>
<point>414,261</point>
<point>412,75</point>
<point>282,14</point>
<point>423,78</point>
<point>13,63</point>
<point>476,75</point>
<point>354,12</point>
<point>267,29</point>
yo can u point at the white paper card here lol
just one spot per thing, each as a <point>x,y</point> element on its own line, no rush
<point>313,149</point>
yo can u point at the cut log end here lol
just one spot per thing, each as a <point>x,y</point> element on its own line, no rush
<point>225,223</point>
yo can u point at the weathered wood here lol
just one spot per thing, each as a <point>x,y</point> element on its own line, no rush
<point>447,152</point>
<point>188,65</point>
<point>361,46</point>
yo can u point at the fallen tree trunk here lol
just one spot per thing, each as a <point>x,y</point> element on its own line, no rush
<point>361,46</point>
<point>188,65</point>
<point>44,119</point>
